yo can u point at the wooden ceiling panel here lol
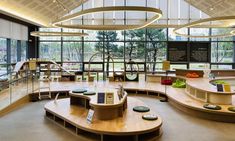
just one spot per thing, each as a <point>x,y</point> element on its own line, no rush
<point>215,8</point>
<point>41,12</point>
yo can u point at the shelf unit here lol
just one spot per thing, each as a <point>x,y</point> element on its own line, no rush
<point>196,93</point>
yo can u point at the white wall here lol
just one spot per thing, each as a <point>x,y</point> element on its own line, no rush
<point>13,30</point>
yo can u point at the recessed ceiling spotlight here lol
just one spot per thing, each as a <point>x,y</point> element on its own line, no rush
<point>54,1</point>
<point>211,8</point>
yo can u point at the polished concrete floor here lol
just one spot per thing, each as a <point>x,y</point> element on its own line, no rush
<point>28,124</point>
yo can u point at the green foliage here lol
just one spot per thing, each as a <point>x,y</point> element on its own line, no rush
<point>219,82</point>
<point>135,49</point>
<point>106,42</point>
<point>179,84</point>
<point>106,45</point>
<point>222,52</point>
<point>156,49</point>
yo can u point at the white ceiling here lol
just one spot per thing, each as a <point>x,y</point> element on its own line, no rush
<point>42,12</point>
<point>215,8</point>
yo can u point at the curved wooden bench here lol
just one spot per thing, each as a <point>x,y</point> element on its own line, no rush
<point>129,127</point>
<point>176,96</point>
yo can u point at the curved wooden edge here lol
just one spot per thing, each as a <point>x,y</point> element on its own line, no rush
<point>209,114</point>
<point>205,86</point>
<point>201,109</point>
<point>162,92</point>
<point>152,88</point>
<point>194,82</point>
<point>93,100</point>
<point>66,118</point>
<point>195,108</point>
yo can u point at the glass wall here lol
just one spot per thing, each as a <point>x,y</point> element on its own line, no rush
<point>50,50</point>
<point>23,50</point>
<point>147,47</point>
<point>13,51</point>
<point>3,56</point>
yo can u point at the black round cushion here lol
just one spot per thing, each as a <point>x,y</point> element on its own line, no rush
<point>212,107</point>
<point>141,109</point>
<point>150,117</point>
<point>89,93</point>
<point>79,91</point>
<point>232,109</point>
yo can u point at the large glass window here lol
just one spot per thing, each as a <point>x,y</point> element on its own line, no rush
<point>50,50</point>
<point>90,48</point>
<point>199,32</point>
<point>3,51</point>
<point>173,37</point>
<point>222,52</point>
<point>216,31</point>
<point>3,56</point>
<point>23,50</point>
<point>13,51</point>
<point>135,51</point>
<point>72,51</point>
<point>147,46</point>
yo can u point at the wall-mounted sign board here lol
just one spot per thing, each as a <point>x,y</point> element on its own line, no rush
<point>198,52</point>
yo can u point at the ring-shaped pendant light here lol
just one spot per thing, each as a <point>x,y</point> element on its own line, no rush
<point>232,32</point>
<point>59,34</point>
<point>157,12</point>
<point>199,22</point>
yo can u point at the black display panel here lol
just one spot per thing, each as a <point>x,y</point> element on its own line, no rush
<point>199,52</point>
<point>177,51</point>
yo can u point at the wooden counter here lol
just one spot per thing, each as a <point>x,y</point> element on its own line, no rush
<point>201,89</point>
<point>101,111</point>
<point>176,96</point>
<point>198,88</point>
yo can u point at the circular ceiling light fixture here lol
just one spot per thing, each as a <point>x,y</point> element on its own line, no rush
<point>59,34</point>
<point>232,32</point>
<point>157,12</point>
<point>203,21</point>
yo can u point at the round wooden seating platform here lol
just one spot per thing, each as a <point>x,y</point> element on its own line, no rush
<point>129,127</point>
<point>176,97</point>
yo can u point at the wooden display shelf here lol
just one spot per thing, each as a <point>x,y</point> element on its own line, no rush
<point>202,90</point>
<point>129,127</point>
<point>159,77</point>
<point>102,111</point>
